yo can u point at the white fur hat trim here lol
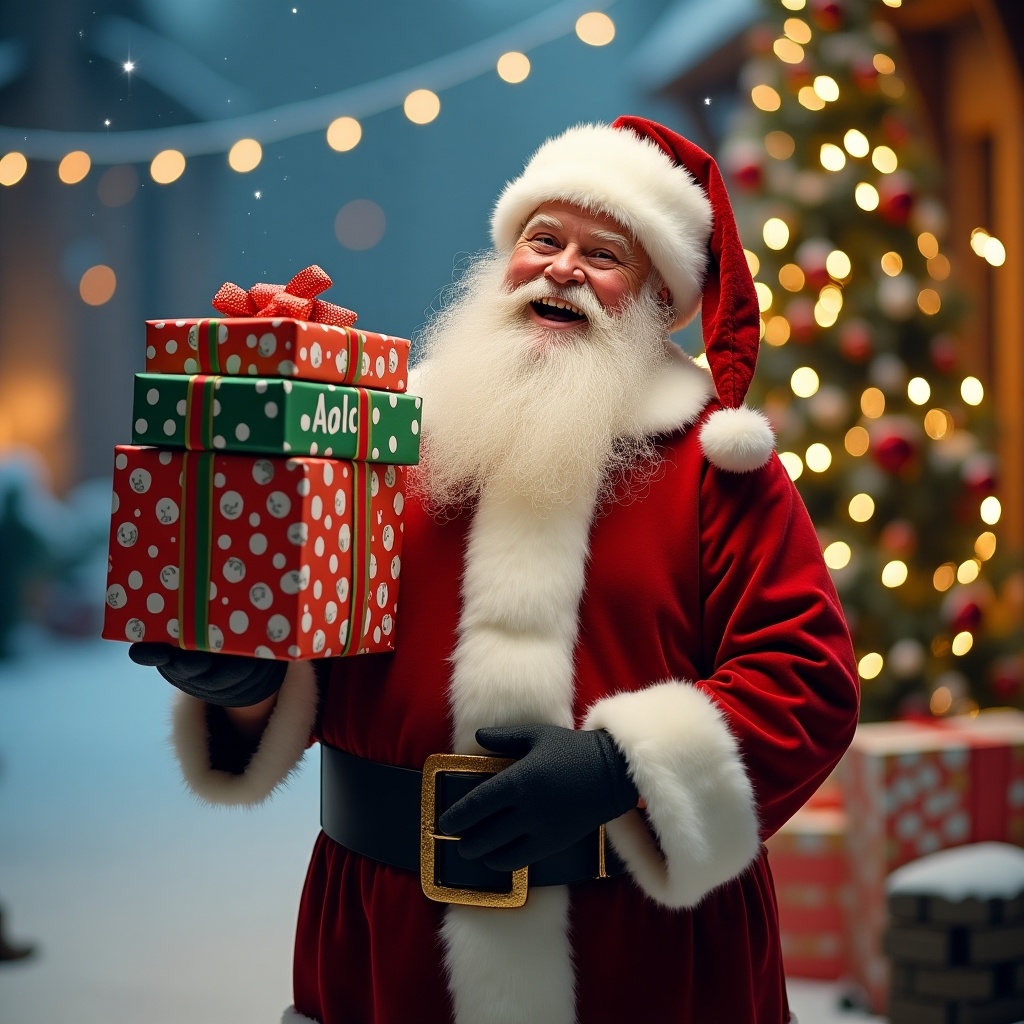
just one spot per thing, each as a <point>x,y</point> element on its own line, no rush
<point>738,440</point>
<point>632,180</point>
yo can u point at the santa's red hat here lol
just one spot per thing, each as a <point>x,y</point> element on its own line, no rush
<point>669,194</point>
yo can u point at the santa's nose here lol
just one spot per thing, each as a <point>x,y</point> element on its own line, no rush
<point>565,267</point>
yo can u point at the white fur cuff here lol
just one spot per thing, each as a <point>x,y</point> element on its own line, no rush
<point>281,747</point>
<point>737,440</point>
<point>687,766</point>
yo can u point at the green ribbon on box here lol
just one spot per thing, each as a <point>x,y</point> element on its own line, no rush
<point>207,346</point>
<point>360,556</point>
<point>194,551</point>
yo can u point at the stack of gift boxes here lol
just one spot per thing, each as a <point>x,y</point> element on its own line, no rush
<point>905,790</point>
<point>258,510</point>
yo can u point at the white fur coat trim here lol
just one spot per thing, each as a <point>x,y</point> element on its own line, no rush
<point>281,747</point>
<point>700,803</point>
<point>513,662</point>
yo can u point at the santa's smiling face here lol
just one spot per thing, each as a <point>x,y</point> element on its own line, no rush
<point>567,259</point>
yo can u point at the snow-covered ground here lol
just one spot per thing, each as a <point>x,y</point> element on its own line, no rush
<point>145,905</point>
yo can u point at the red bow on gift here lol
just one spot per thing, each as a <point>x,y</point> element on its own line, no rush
<point>297,299</point>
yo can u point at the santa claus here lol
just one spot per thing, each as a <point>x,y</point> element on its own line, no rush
<point>610,582</point>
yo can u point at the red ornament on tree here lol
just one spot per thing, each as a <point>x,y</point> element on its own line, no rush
<point>895,198</point>
<point>855,340</point>
<point>942,351</point>
<point>811,257</point>
<point>828,15</point>
<point>865,74</point>
<point>979,473</point>
<point>798,75</point>
<point>802,325</point>
<point>899,538</point>
<point>893,443</point>
<point>743,161</point>
<point>1008,678</point>
<point>966,616</point>
<point>895,129</point>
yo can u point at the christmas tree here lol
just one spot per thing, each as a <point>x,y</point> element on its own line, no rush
<point>878,422</point>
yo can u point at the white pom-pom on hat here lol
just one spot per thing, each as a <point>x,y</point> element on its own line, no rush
<point>738,440</point>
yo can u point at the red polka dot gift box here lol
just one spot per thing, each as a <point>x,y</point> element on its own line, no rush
<point>278,347</point>
<point>273,330</point>
<point>277,557</point>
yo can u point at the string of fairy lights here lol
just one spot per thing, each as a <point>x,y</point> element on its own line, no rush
<point>835,268</point>
<point>340,116</point>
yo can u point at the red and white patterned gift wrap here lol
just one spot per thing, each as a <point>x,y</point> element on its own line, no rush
<point>278,347</point>
<point>910,789</point>
<point>808,862</point>
<point>275,557</point>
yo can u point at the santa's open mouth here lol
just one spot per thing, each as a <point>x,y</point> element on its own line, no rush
<point>558,311</point>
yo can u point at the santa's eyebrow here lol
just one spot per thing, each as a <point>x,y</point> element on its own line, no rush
<point>614,238</point>
<point>542,220</point>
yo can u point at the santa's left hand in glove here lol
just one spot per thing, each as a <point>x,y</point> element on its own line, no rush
<point>565,784</point>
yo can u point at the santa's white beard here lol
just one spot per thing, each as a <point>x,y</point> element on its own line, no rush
<point>550,416</point>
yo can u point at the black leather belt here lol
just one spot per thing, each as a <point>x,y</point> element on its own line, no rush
<point>389,814</point>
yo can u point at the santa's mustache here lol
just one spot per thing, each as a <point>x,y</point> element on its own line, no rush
<point>581,295</point>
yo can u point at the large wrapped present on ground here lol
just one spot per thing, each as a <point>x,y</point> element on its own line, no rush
<point>273,330</point>
<point>275,557</point>
<point>275,416</point>
<point>808,861</point>
<point>911,789</point>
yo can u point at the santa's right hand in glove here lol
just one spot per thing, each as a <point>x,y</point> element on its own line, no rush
<point>229,680</point>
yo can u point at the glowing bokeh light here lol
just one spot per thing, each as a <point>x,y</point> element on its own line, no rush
<point>513,67</point>
<point>97,285</point>
<point>861,507</point>
<point>856,143</point>
<point>343,134</point>
<point>918,390</point>
<point>74,167</point>
<point>775,233</point>
<point>870,665</point>
<point>12,168</point>
<point>245,155</point>
<point>595,28</point>
<point>167,166</point>
<point>837,555</point>
<point>972,391</point>
<point>422,106</point>
<point>866,196</point>
<point>804,382</point>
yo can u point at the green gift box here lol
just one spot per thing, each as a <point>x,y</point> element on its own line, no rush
<point>275,416</point>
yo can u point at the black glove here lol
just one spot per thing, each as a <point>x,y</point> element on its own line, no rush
<point>566,783</point>
<point>229,680</point>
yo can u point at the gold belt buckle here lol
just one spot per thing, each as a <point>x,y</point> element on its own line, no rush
<point>429,836</point>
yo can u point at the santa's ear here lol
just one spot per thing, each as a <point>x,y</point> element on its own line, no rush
<point>665,296</point>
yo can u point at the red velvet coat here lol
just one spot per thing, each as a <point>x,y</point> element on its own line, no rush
<point>682,584</point>
<point>709,641</point>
